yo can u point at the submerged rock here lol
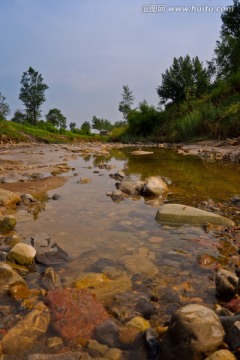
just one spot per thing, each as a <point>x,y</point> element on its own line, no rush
<point>194,331</point>
<point>47,250</point>
<point>75,313</point>
<point>182,214</point>
<point>27,331</point>
<point>9,277</point>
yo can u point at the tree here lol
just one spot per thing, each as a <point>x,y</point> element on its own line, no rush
<point>32,93</point>
<point>56,118</point>
<point>143,120</point>
<point>101,124</point>
<point>4,107</point>
<point>186,79</point>
<point>227,51</point>
<point>86,128</point>
<point>72,126</point>
<point>127,101</point>
<point>19,117</point>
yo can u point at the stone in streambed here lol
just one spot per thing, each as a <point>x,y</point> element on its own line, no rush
<point>154,186</point>
<point>221,355</point>
<point>8,198</point>
<point>22,254</point>
<point>226,282</point>
<point>194,331</point>
<point>9,278</point>
<point>182,214</point>
<point>27,331</point>
<point>7,223</point>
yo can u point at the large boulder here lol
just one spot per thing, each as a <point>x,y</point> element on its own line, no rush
<point>130,187</point>
<point>31,328</point>
<point>194,331</point>
<point>182,214</point>
<point>22,254</point>
<point>8,198</point>
<point>154,186</point>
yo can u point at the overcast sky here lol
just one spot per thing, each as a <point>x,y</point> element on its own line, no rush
<point>86,50</point>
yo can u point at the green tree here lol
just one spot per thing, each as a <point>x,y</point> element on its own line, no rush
<point>143,120</point>
<point>56,118</point>
<point>86,128</point>
<point>4,107</point>
<point>19,117</point>
<point>32,93</point>
<point>72,126</point>
<point>186,79</point>
<point>101,124</point>
<point>126,102</point>
<point>227,51</point>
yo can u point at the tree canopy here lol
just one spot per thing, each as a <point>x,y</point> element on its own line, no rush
<point>85,128</point>
<point>32,93</point>
<point>227,51</point>
<point>4,107</point>
<point>56,118</point>
<point>186,79</point>
<point>126,102</point>
<point>101,124</point>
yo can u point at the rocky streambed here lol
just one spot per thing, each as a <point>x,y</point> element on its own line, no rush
<point>130,275</point>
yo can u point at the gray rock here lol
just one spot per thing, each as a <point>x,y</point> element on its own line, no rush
<point>28,199</point>
<point>22,254</point>
<point>47,250</point>
<point>117,195</point>
<point>233,336</point>
<point>107,333</point>
<point>182,214</point>
<point>228,321</point>
<point>7,223</point>
<point>226,282</point>
<point>130,187</point>
<point>194,331</point>
<point>56,197</point>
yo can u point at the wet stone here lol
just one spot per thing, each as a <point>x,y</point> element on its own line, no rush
<point>7,223</point>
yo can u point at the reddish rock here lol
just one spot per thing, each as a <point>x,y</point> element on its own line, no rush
<point>234,305</point>
<point>75,313</point>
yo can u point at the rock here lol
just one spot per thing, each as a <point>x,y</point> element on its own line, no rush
<point>139,323</point>
<point>50,279</point>
<point>55,344</point>
<point>70,355</point>
<point>182,214</point>
<point>47,250</point>
<point>226,282</point>
<point>152,344</point>
<point>28,199</point>
<point>144,307</point>
<point>141,152</point>
<point>8,198</point>
<point>7,223</point>
<point>117,195</point>
<point>139,264</point>
<point>107,333</point>
<point>22,254</point>
<point>131,188</point>
<point>154,186</point>
<point>234,305</point>
<point>221,355</point>
<point>84,181</point>
<point>75,313</point>
<point>228,321</point>
<point>105,286</point>
<point>56,197</point>
<point>27,331</point>
<point>9,277</point>
<point>233,336</point>
<point>95,345</point>
<point>113,354</point>
<point>194,331</point>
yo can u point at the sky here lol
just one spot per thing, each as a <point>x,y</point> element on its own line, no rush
<point>86,50</point>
